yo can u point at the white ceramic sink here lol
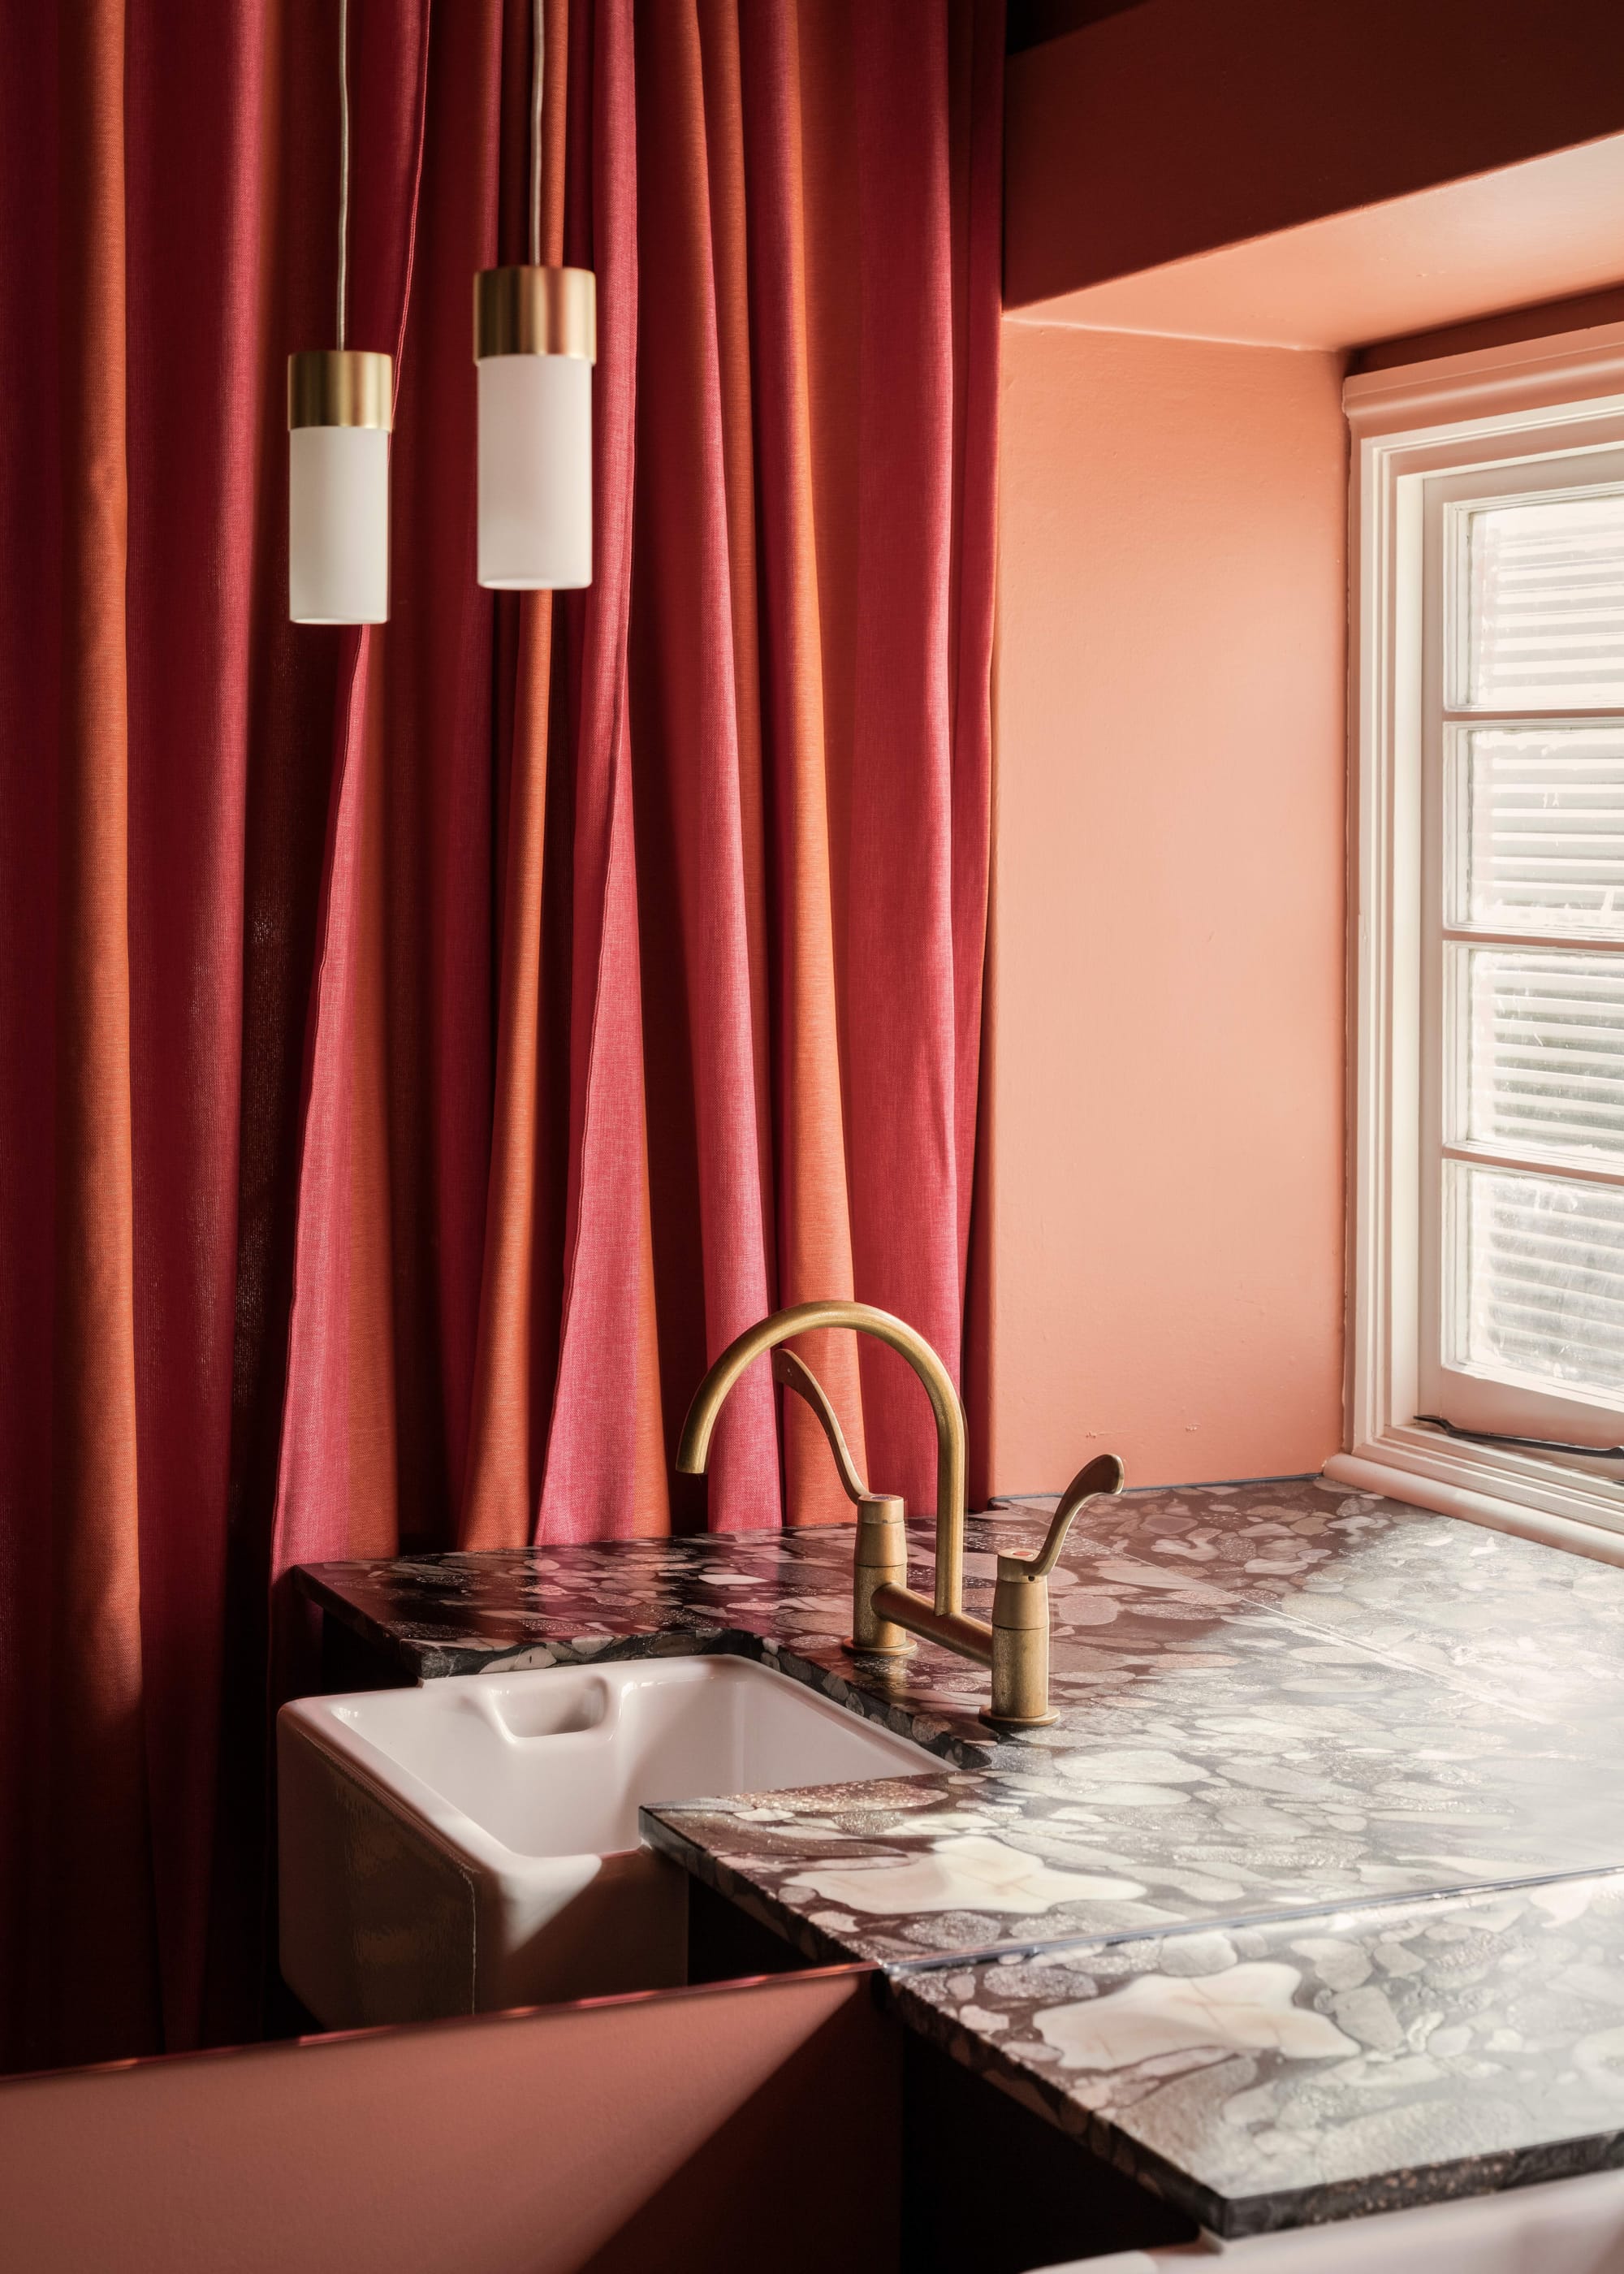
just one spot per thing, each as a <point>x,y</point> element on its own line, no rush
<point>473,1843</point>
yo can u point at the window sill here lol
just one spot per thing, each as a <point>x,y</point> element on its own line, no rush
<point>1488,1485</point>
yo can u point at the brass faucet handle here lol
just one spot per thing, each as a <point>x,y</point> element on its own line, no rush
<point>1103,1474</point>
<point>789,1369</point>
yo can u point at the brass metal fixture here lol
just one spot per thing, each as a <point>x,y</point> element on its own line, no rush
<point>1015,1646</point>
<point>340,386</point>
<point>535,311</point>
<point>882,1541</point>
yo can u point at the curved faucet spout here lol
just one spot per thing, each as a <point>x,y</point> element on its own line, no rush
<point>808,1318</point>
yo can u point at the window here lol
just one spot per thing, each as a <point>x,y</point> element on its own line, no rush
<point>1488,1173</point>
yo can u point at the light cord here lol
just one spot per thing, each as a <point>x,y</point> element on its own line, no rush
<point>538,68</point>
<point>343,163</point>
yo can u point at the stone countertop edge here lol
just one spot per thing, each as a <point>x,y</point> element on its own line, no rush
<point>1238,2218</point>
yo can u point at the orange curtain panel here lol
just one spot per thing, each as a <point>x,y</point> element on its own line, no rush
<point>422,1048</point>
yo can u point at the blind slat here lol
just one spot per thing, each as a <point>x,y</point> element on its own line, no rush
<point>1546,604</point>
<point>1541,823</point>
<point>1544,1278</point>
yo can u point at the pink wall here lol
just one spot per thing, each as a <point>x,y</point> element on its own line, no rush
<point>1161,1239</point>
<point>756,2123</point>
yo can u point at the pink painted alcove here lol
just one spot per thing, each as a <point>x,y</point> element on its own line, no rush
<point>1210,213</point>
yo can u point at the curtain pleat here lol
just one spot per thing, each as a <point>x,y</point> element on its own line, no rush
<point>96,1817</point>
<point>32,628</point>
<point>697,747</point>
<point>196,97</point>
<point>812,1229</point>
<point>422,1048</point>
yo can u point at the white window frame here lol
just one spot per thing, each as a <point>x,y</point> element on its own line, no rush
<point>1461,413</point>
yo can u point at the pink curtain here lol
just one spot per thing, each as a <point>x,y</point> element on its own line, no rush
<point>421,1050</point>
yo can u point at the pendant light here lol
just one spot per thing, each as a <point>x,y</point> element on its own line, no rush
<point>535,343</point>
<point>339,411</point>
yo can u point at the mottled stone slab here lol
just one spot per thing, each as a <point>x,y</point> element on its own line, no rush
<point>1228,1815</point>
<point>1160,1570</point>
<point>1281,2074</point>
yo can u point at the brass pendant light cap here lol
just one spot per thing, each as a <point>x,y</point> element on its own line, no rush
<point>536,312</point>
<point>340,387</point>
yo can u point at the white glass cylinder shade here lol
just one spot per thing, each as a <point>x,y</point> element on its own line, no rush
<point>534,472</point>
<point>338,525</point>
<point>341,407</point>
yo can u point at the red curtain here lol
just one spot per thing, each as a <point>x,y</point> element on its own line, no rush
<point>422,1050</point>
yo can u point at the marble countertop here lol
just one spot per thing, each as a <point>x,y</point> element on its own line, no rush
<point>1311,1903</point>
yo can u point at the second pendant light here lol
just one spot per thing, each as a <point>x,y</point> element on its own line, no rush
<point>535,343</point>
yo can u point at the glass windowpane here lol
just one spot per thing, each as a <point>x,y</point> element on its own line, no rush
<point>1545,616</point>
<point>1538,1266</point>
<point>1544,1051</point>
<point>1541,830</point>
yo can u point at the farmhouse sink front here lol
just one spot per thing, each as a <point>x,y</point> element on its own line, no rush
<point>472,1844</point>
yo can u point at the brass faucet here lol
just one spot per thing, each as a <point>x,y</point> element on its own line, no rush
<point>1015,1644</point>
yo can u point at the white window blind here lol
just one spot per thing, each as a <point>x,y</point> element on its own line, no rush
<point>1544,1279</point>
<point>1524,1071</point>
<point>1547,605</point>
<point>1542,847</point>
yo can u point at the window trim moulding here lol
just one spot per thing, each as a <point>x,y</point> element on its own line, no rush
<point>1458,412</point>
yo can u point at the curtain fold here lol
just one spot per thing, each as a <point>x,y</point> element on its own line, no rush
<point>97,1801</point>
<point>193,178</point>
<point>422,1048</point>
